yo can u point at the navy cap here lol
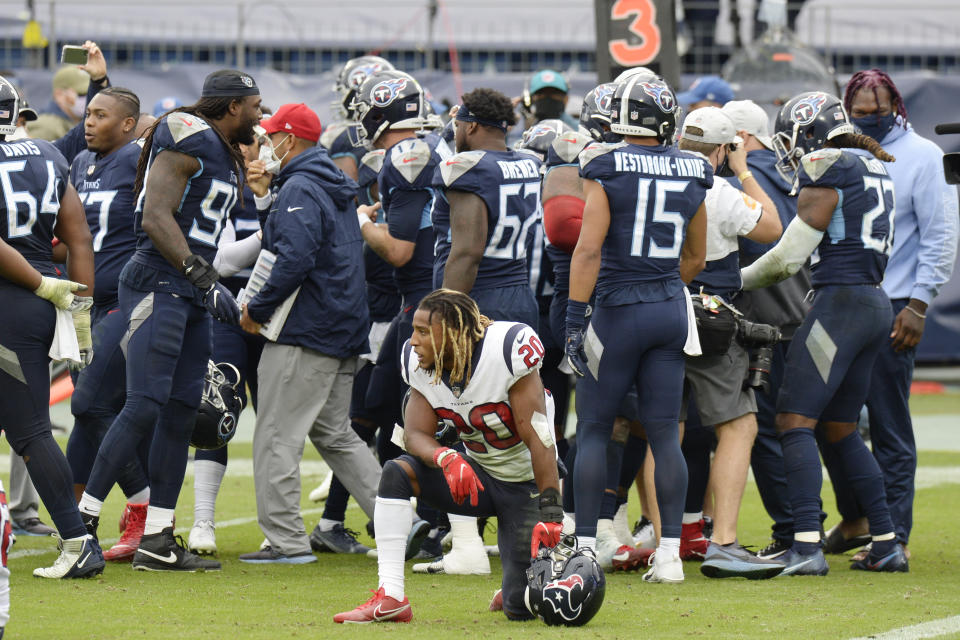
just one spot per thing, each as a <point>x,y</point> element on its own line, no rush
<point>712,88</point>
<point>229,83</point>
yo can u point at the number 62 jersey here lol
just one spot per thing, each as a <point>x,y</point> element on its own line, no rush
<point>480,411</point>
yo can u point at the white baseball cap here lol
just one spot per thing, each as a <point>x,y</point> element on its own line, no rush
<point>713,126</point>
<point>748,116</point>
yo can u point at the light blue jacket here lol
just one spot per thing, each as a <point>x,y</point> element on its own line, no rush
<point>926,225</point>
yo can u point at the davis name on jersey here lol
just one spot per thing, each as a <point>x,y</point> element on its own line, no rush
<point>481,411</point>
<point>856,246</point>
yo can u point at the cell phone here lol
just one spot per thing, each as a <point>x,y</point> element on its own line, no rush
<point>73,55</point>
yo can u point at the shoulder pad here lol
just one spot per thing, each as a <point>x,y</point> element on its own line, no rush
<point>329,135</point>
<point>453,169</point>
<point>410,160</point>
<point>183,125</point>
<point>596,150</point>
<point>817,163</point>
<point>568,146</point>
<point>139,142</point>
<point>373,160</point>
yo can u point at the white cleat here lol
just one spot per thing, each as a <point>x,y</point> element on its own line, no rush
<point>472,561</point>
<point>203,538</point>
<point>621,526</point>
<point>493,551</point>
<point>665,568</point>
<point>79,558</point>
<point>320,493</point>
<point>646,536</point>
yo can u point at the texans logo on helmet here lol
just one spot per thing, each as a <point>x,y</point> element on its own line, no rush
<point>661,94</point>
<point>387,91</point>
<point>807,109</point>
<point>603,96</point>
<point>358,75</point>
<point>559,594</point>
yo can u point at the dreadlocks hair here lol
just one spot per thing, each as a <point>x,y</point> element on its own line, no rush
<point>490,104</point>
<point>860,141</point>
<point>128,101</point>
<point>208,109</point>
<point>874,79</point>
<point>462,326</point>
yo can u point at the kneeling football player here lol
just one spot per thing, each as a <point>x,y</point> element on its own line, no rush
<point>481,377</point>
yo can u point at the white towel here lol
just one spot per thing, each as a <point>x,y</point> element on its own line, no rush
<point>64,345</point>
<point>692,346</point>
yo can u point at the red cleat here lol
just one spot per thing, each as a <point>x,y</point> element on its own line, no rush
<point>133,520</point>
<point>379,608</point>
<point>693,546</point>
<point>497,603</point>
<point>628,558</point>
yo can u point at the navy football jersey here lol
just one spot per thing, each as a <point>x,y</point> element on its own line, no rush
<point>105,186</point>
<point>245,222</point>
<point>508,182</point>
<point>209,196</point>
<point>382,296</point>
<point>407,196</point>
<point>653,192</point>
<point>343,139</point>
<point>33,179</point>
<point>856,246</point>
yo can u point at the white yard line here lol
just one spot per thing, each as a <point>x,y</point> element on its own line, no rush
<point>932,629</point>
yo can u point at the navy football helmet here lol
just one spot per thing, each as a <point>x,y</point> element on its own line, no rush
<point>351,76</point>
<point>565,586</point>
<point>9,107</point>
<point>641,73</point>
<point>805,123</point>
<point>220,407</point>
<point>645,108</point>
<point>390,100</point>
<point>595,113</point>
<point>538,138</point>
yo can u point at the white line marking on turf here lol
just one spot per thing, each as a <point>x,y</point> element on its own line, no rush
<point>931,629</point>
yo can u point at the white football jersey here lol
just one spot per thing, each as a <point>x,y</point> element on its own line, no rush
<point>480,411</point>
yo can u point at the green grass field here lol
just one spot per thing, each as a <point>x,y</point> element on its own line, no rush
<point>272,602</point>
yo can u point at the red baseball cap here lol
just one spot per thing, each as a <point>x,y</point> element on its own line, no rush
<point>297,119</point>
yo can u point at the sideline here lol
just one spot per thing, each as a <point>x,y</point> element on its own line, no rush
<point>932,629</point>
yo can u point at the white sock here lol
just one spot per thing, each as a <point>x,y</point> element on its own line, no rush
<point>157,520</point>
<point>807,536</point>
<point>587,542</point>
<point>884,537</point>
<point>669,547</point>
<point>605,528</point>
<point>692,518</point>
<point>326,524</point>
<point>140,497</point>
<point>207,476</point>
<point>90,505</point>
<point>464,530</point>
<point>392,520</point>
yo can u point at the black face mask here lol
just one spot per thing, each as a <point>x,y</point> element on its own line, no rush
<point>548,108</point>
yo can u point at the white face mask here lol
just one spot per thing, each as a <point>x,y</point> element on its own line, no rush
<point>268,154</point>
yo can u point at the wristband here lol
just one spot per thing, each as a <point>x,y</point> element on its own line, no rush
<point>576,315</point>
<point>922,316</point>
<point>440,454</point>
<point>743,176</point>
<point>363,219</point>
<point>550,509</point>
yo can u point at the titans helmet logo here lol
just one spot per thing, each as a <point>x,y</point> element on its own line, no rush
<point>661,95</point>
<point>358,75</point>
<point>603,96</point>
<point>539,130</point>
<point>228,424</point>
<point>387,91</point>
<point>559,594</point>
<point>806,110</point>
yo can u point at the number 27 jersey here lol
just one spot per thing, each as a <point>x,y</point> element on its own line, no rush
<point>480,411</point>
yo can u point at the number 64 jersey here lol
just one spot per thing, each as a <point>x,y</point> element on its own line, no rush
<point>480,411</point>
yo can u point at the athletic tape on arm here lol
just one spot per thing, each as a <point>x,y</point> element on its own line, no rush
<point>543,428</point>
<point>785,259</point>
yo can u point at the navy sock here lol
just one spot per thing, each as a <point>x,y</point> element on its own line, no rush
<point>336,505</point>
<point>696,451</point>
<point>51,476</point>
<point>670,474</point>
<point>801,463</point>
<point>866,480</point>
<point>608,504</point>
<point>168,454</point>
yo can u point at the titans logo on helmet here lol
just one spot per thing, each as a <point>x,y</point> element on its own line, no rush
<point>805,111</point>
<point>661,94</point>
<point>228,424</point>
<point>539,130</point>
<point>559,594</point>
<point>603,96</point>
<point>387,91</point>
<point>358,75</point>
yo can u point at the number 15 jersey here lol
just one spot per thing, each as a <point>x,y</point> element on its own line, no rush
<point>480,411</point>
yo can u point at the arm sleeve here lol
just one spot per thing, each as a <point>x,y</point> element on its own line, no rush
<point>297,239</point>
<point>935,204</point>
<point>235,255</point>
<point>407,213</point>
<point>785,259</point>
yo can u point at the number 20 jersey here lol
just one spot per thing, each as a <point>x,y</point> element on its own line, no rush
<point>653,193</point>
<point>210,193</point>
<point>480,411</point>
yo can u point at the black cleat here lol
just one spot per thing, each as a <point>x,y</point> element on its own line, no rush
<point>91,523</point>
<point>164,552</point>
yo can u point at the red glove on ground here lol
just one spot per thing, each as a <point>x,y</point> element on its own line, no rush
<point>460,476</point>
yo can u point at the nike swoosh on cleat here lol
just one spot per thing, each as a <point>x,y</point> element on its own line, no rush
<point>796,567</point>
<point>168,559</point>
<point>380,614</point>
<point>83,560</point>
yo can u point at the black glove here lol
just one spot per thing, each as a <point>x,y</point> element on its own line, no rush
<point>199,272</point>
<point>221,304</point>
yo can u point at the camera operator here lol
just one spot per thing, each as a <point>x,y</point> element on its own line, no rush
<point>716,377</point>
<point>781,305</point>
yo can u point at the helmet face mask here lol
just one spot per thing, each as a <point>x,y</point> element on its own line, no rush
<point>350,78</point>
<point>220,407</point>
<point>565,586</point>
<point>9,107</point>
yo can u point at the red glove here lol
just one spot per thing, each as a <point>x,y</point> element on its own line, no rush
<point>545,534</point>
<point>460,476</point>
